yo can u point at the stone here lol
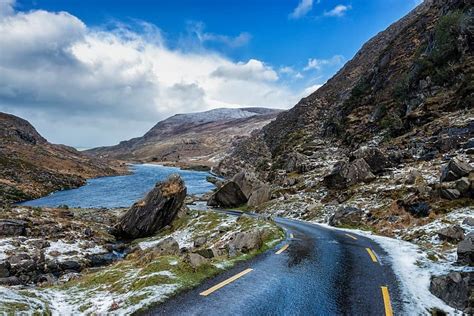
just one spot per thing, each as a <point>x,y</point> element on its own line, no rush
<point>101,259</point>
<point>4,269</point>
<point>200,241</point>
<point>246,181</point>
<point>12,227</point>
<point>419,209</point>
<point>166,247</point>
<point>346,174</point>
<point>449,194</point>
<point>10,281</point>
<point>206,253</point>
<point>196,260</point>
<point>465,250</point>
<point>346,216</point>
<point>463,185</point>
<point>229,195</point>
<point>260,195</point>
<point>456,289</point>
<point>454,170</point>
<point>39,243</point>
<point>374,157</point>
<point>296,162</point>
<point>70,265</point>
<point>468,221</point>
<point>158,209</point>
<point>246,241</point>
<point>15,259</point>
<point>454,233</point>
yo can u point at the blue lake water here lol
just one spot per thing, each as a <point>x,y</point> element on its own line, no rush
<point>123,191</point>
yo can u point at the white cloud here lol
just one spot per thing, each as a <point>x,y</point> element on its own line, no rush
<point>309,90</point>
<point>338,10</point>
<point>304,6</point>
<point>289,71</point>
<point>240,40</point>
<point>254,70</point>
<point>6,7</point>
<point>71,80</point>
<point>317,64</point>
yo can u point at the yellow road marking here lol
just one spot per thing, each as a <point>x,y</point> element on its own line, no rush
<point>292,236</point>
<point>224,283</point>
<point>372,254</point>
<point>281,249</point>
<point>348,235</point>
<point>386,301</point>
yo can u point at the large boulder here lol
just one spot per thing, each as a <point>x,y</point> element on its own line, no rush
<point>454,170</point>
<point>229,195</point>
<point>12,227</point>
<point>260,195</point>
<point>374,157</point>
<point>346,216</point>
<point>465,250</point>
<point>4,269</point>
<point>453,234</point>
<point>456,289</point>
<point>196,260</point>
<point>247,182</point>
<point>155,211</point>
<point>346,174</point>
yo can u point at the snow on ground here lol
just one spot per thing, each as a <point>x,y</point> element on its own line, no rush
<point>5,245</point>
<point>67,250</point>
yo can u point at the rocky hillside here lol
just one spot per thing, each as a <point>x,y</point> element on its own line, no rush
<point>194,139</point>
<point>386,146</point>
<point>397,91</point>
<point>31,167</point>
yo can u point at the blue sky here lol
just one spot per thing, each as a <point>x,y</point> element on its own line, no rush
<point>115,67</point>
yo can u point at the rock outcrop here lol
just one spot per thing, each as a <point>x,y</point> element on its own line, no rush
<point>155,211</point>
<point>346,174</point>
<point>346,216</point>
<point>456,289</point>
<point>228,195</point>
<point>465,250</point>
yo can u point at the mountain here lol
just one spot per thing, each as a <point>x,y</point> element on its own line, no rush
<point>191,140</point>
<point>404,88</point>
<point>31,167</point>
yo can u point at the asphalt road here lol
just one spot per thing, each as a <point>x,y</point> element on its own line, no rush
<point>318,271</point>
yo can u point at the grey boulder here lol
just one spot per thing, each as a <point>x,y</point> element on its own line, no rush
<point>12,227</point>
<point>454,233</point>
<point>454,170</point>
<point>456,289</point>
<point>260,195</point>
<point>465,250</point>
<point>157,210</point>
<point>229,195</point>
<point>346,174</point>
<point>165,247</point>
<point>346,216</point>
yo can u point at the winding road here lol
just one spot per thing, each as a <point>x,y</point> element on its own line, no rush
<point>315,271</point>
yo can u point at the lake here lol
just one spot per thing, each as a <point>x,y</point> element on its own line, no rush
<point>123,191</point>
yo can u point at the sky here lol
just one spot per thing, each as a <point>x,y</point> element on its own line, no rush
<point>93,73</point>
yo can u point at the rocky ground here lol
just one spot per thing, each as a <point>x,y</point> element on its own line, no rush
<point>73,261</point>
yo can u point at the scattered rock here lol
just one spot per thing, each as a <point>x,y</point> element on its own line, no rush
<point>5,269</point>
<point>229,195</point>
<point>374,157</point>
<point>200,241</point>
<point>246,241</point>
<point>168,246</point>
<point>12,227</point>
<point>454,233</point>
<point>155,211</point>
<point>468,221</point>
<point>206,253</point>
<point>346,216</point>
<point>10,281</point>
<point>449,194</point>
<point>196,260</point>
<point>465,250</point>
<point>456,289</point>
<point>260,195</point>
<point>346,174</point>
<point>454,170</point>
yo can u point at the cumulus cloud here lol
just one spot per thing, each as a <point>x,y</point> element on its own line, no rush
<point>309,90</point>
<point>74,82</point>
<point>304,6</point>
<point>290,71</point>
<point>338,10</point>
<point>318,64</point>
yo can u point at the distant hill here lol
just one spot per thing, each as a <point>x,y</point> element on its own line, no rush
<point>31,167</point>
<point>192,139</point>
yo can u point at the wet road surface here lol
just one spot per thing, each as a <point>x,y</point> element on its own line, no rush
<point>318,271</point>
